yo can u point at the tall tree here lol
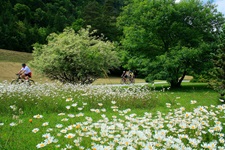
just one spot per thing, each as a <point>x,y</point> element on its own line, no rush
<point>170,37</point>
<point>218,72</point>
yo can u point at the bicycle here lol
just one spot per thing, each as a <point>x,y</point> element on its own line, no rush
<point>19,80</point>
<point>131,80</point>
<point>123,80</point>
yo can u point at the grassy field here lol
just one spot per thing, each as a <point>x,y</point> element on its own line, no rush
<point>95,117</point>
<point>10,64</point>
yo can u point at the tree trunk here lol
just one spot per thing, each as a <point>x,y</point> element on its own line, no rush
<point>176,83</point>
<point>182,78</point>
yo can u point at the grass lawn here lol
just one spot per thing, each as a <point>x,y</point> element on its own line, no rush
<point>55,116</point>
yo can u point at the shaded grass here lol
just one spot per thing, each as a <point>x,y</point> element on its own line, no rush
<point>14,56</point>
<point>177,97</point>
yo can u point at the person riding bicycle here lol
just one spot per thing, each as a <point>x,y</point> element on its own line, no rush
<point>125,75</point>
<point>131,74</point>
<point>25,72</point>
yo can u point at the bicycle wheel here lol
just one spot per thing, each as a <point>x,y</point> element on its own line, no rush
<point>133,81</point>
<point>122,81</point>
<point>14,81</point>
<point>31,82</point>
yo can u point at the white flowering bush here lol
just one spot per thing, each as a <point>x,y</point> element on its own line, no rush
<point>99,117</point>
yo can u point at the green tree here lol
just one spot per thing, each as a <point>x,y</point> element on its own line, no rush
<point>75,57</point>
<point>218,72</point>
<point>22,11</point>
<point>172,36</point>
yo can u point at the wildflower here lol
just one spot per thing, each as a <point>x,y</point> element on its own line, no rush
<point>49,130</point>
<point>71,115</point>
<point>100,104</point>
<point>84,103</point>
<point>74,105</point>
<point>61,114</point>
<point>193,101</point>
<point>193,126</point>
<point>113,102</point>
<point>13,107</point>
<point>47,135</point>
<point>68,146</point>
<point>63,131</point>
<point>80,108</point>
<point>59,126</point>
<point>49,140</point>
<point>77,126</point>
<point>69,136</point>
<point>187,115</point>
<point>168,105</point>
<point>67,107</point>
<point>1,124</point>
<point>65,119</point>
<point>221,140</point>
<point>217,128</point>
<point>69,99</point>
<point>41,145</point>
<point>77,142</point>
<point>13,124</point>
<point>35,130</point>
<point>97,110</point>
<point>30,120</point>
<point>80,115</point>
<point>38,116</point>
<point>45,124</point>
<point>103,110</point>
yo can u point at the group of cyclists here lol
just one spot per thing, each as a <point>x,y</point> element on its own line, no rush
<point>127,77</point>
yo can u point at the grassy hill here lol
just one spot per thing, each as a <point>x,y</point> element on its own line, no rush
<point>10,64</point>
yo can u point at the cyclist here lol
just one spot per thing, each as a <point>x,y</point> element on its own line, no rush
<point>125,75</point>
<point>131,76</point>
<point>25,72</point>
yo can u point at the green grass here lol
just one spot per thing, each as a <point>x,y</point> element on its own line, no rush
<point>14,56</point>
<point>50,100</point>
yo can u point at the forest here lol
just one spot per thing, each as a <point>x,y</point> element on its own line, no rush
<point>25,22</point>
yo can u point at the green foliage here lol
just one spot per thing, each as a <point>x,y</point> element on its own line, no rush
<point>54,16</point>
<point>218,72</point>
<point>173,65</point>
<point>175,39</point>
<point>75,57</point>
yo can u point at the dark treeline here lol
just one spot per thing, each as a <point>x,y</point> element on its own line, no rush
<point>25,22</point>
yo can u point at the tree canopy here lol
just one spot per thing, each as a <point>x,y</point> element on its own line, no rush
<point>218,72</point>
<point>170,38</point>
<point>25,22</point>
<point>75,57</point>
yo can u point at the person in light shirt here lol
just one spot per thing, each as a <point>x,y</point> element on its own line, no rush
<point>25,72</point>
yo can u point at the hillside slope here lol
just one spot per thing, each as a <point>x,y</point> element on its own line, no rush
<point>10,64</point>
